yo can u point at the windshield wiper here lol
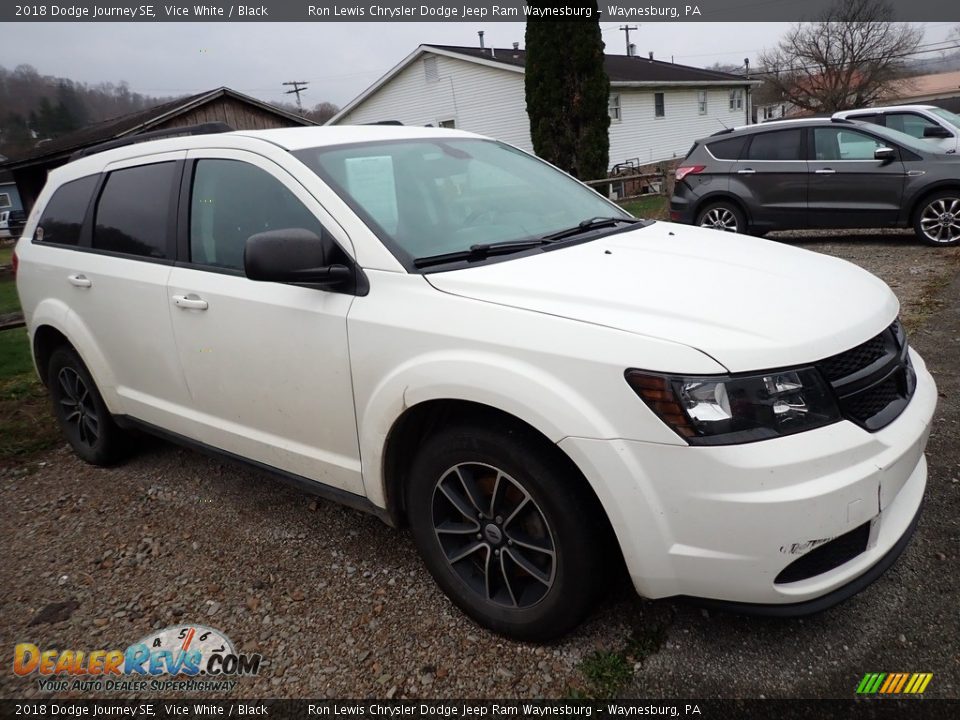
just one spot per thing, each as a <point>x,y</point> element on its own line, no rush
<point>479,252</point>
<point>485,250</point>
<point>594,223</point>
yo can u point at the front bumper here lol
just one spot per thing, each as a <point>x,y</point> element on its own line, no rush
<point>723,522</point>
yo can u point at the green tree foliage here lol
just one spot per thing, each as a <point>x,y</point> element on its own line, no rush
<point>568,92</point>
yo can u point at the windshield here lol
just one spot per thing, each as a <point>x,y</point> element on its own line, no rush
<point>901,138</point>
<point>434,196</point>
<point>950,117</point>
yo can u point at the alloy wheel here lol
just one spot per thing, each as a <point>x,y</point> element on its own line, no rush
<point>719,218</point>
<point>493,535</point>
<point>940,220</point>
<point>78,406</point>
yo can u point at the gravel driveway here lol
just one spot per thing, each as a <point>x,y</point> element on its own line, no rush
<point>340,606</point>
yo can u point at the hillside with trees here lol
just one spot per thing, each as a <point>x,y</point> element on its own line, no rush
<point>35,107</point>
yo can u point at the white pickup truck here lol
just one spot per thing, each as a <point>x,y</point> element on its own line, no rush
<point>938,126</point>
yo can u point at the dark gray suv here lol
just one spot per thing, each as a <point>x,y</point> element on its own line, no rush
<point>818,173</point>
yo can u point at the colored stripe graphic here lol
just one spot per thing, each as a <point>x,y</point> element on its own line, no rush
<point>894,683</point>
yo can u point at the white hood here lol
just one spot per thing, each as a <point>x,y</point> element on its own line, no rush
<point>750,304</point>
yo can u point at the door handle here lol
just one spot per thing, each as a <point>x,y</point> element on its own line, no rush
<point>79,280</point>
<point>747,171</point>
<point>826,171</point>
<point>190,302</point>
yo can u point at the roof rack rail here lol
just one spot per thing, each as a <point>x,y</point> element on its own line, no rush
<point>385,122</point>
<point>209,128</point>
<point>725,131</point>
<point>845,121</point>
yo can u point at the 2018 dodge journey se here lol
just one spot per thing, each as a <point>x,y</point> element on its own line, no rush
<point>447,332</point>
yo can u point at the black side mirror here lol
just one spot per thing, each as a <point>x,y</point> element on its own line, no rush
<point>294,255</point>
<point>885,154</point>
<point>936,131</point>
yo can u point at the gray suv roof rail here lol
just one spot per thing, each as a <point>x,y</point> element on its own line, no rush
<point>209,128</point>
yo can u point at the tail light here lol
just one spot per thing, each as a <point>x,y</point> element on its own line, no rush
<point>682,172</point>
<point>15,261</point>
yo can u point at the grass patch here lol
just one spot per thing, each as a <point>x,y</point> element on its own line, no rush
<point>27,425</point>
<point>6,252</point>
<point>606,673</point>
<point>9,302</point>
<point>655,207</point>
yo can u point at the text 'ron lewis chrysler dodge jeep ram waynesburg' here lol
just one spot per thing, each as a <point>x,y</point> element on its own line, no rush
<point>447,332</point>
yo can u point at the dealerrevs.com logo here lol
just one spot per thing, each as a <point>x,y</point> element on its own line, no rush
<point>180,657</point>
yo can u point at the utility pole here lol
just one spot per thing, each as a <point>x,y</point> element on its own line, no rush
<point>627,29</point>
<point>296,91</point>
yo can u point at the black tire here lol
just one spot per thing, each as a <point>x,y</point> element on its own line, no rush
<point>722,215</point>
<point>80,411</point>
<point>937,219</point>
<point>559,511</point>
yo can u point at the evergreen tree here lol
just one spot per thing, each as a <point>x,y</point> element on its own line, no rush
<point>568,92</point>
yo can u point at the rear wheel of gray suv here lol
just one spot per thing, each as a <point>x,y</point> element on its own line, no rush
<point>80,411</point>
<point>507,530</point>
<point>938,219</point>
<point>722,216</point>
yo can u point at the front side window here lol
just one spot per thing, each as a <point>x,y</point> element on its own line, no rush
<point>232,200</point>
<point>782,145</point>
<point>841,144</point>
<point>434,196</point>
<point>63,216</point>
<point>613,107</point>
<point>702,102</point>
<point>910,123</point>
<point>133,213</point>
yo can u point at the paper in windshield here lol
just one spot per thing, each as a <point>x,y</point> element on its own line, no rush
<point>371,183</point>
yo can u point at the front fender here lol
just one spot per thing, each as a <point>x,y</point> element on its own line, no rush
<point>542,400</point>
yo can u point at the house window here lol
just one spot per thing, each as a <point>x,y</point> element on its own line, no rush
<point>702,102</point>
<point>450,124</point>
<point>658,106</point>
<point>430,71</point>
<point>736,99</point>
<point>4,200</point>
<point>613,107</point>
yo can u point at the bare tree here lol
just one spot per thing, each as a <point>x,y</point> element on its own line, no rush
<point>853,56</point>
<point>322,112</point>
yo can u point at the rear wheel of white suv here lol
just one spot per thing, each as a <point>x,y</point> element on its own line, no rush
<point>80,411</point>
<point>722,216</point>
<point>938,219</point>
<point>507,532</point>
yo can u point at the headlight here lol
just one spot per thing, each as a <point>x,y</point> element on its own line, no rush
<point>729,409</point>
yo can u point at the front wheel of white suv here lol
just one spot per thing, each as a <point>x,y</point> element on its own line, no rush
<point>509,533</point>
<point>80,411</point>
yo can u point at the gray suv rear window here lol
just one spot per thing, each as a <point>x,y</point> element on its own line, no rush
<point>780,145</point>
<point>728,149</point>
<point>62,219</point>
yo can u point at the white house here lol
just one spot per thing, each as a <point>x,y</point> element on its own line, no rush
<point>657,108</point>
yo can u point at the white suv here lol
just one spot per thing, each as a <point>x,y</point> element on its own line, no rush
<point>445,331</point>
<point>939,127</point>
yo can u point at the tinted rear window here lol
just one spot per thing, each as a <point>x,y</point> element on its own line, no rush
<point>134,211</point>
<point>728,149</point>
<point>779,145</point>
<point>63,217</point>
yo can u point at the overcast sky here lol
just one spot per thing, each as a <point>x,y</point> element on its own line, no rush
<point>338,59</point>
